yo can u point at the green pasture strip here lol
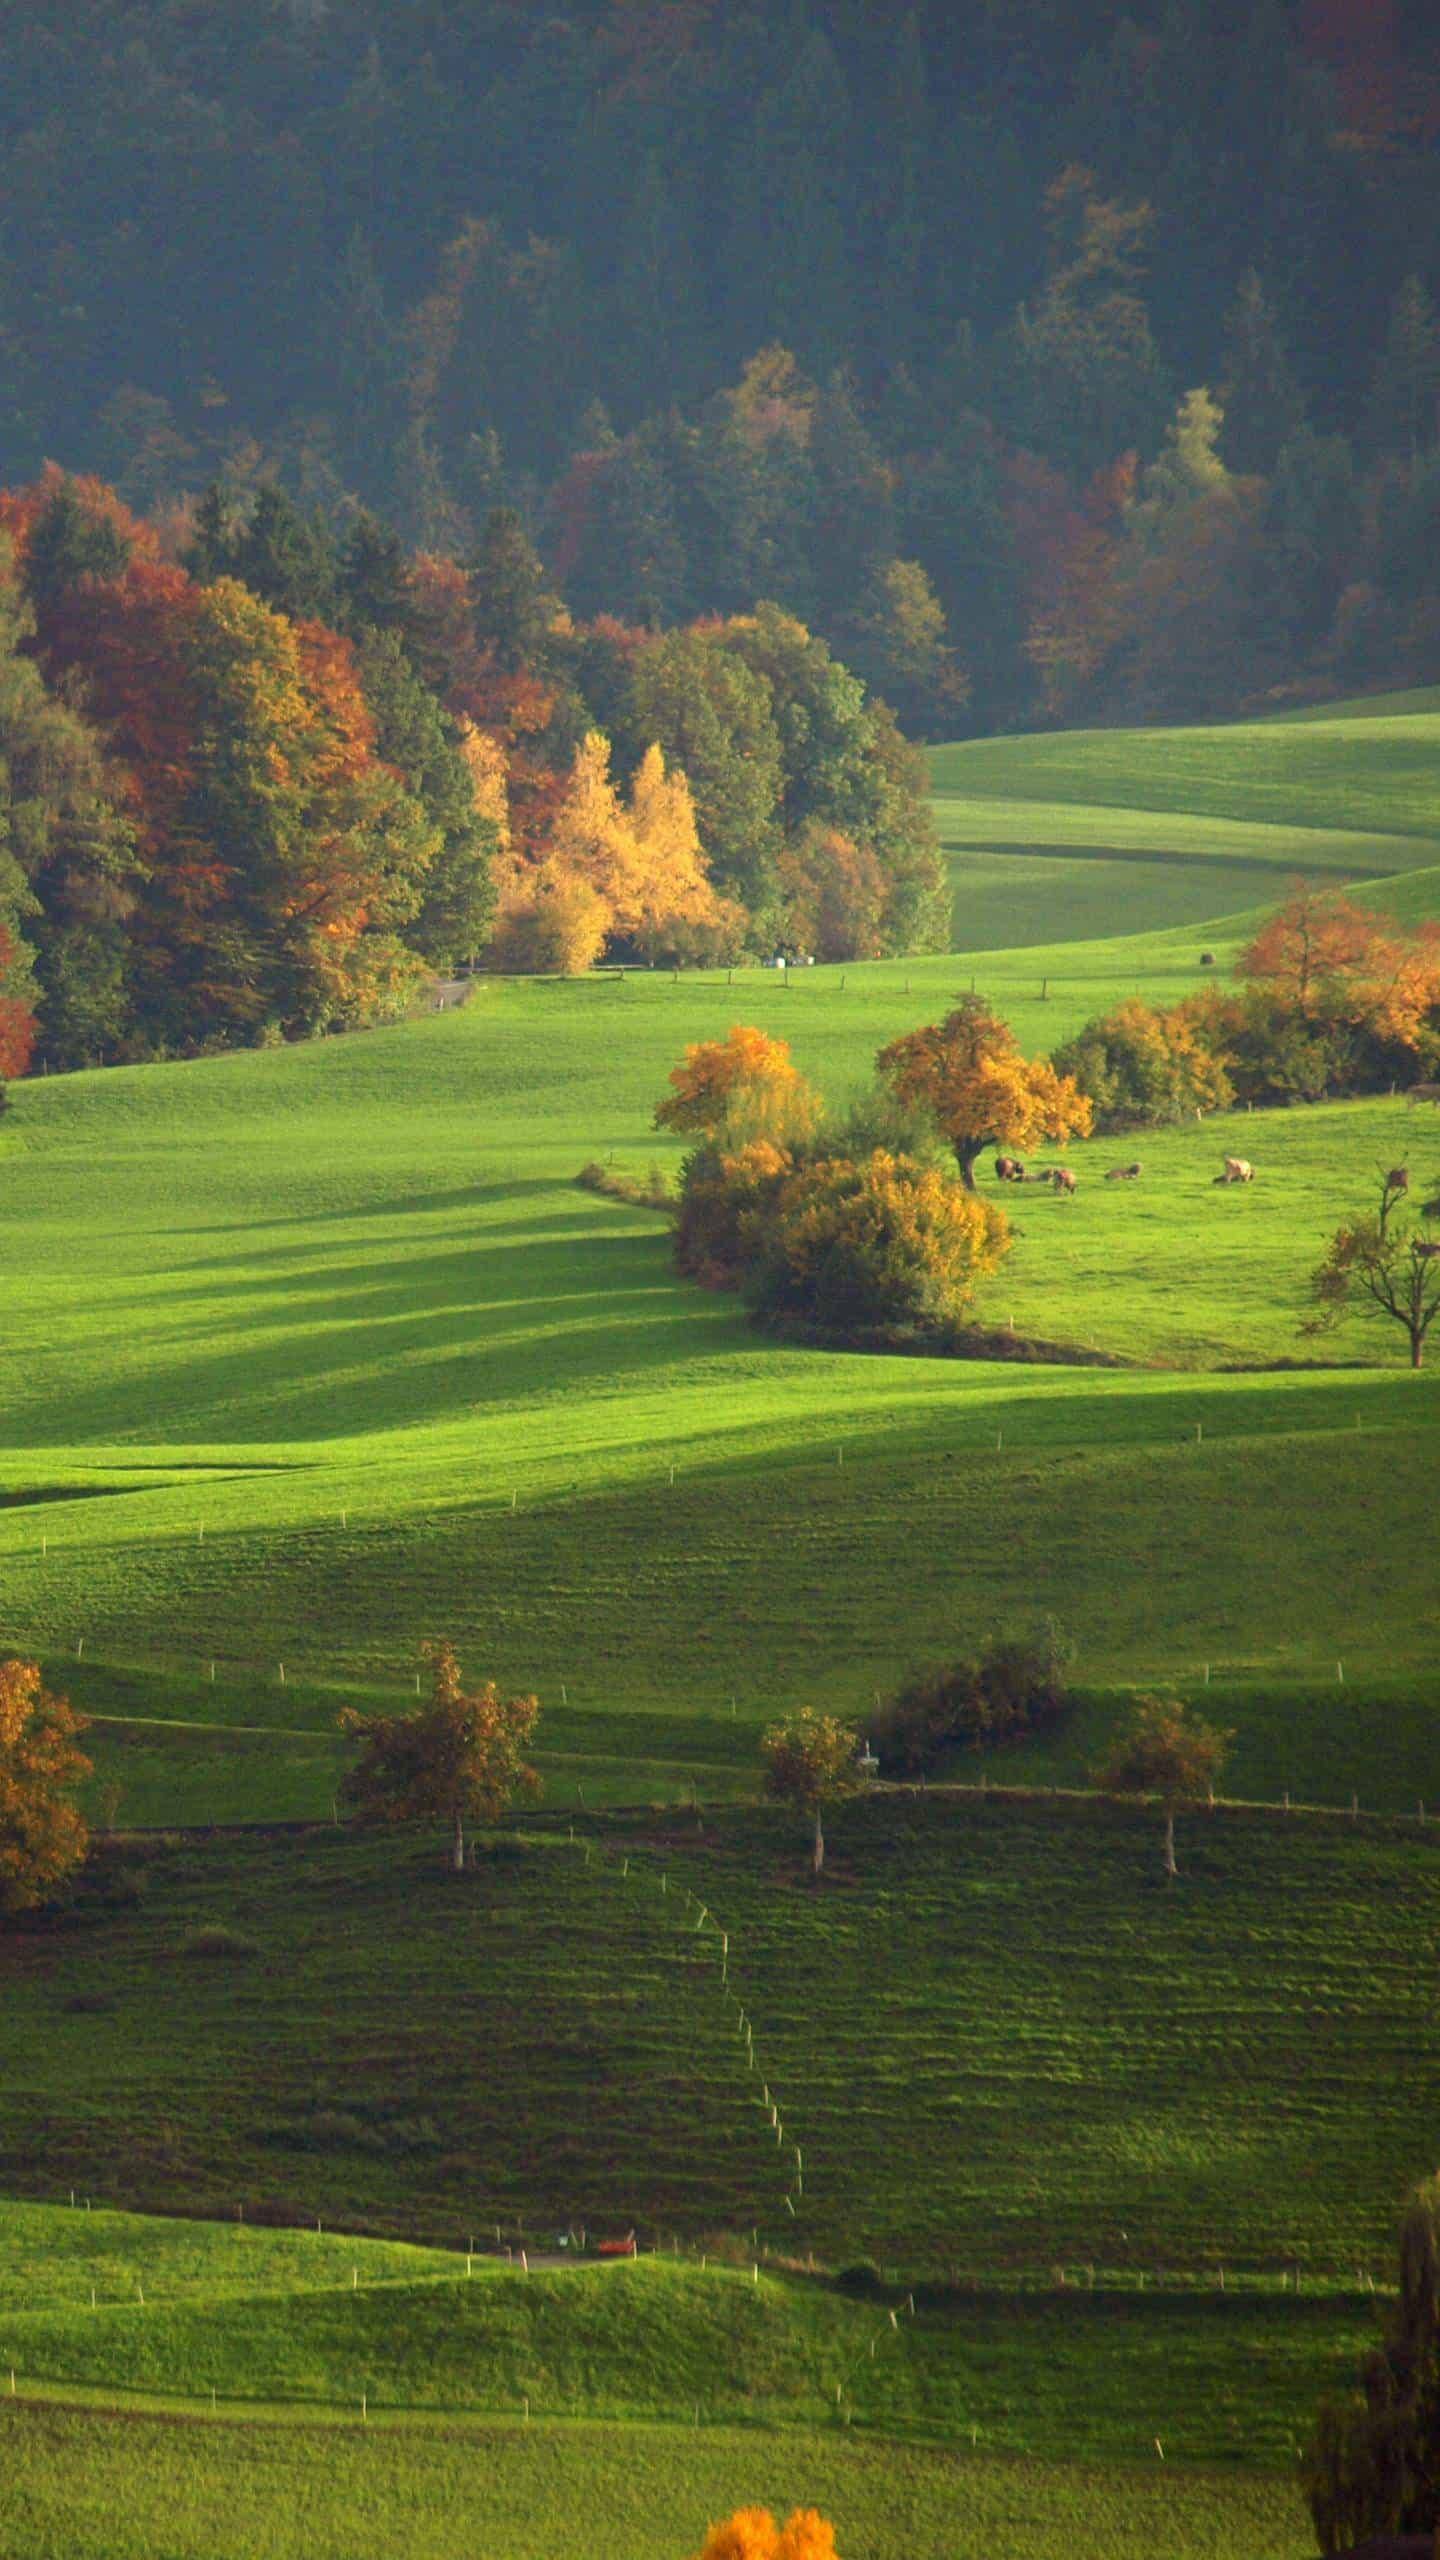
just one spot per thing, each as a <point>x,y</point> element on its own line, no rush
<point>1356,775</point>
<point>974,815</point>
<point>1007,895</point>
<point>83,2484</point>
<point>998,2042</point>
<point>160,2310</point>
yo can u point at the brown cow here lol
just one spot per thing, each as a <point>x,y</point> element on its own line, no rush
<point>1237,1169</point>
<point>1066,1183</point>
<point>1398,1178</point>
<point>1423,1093</point>
<point>1009,1169</point>
<point>1123,1173</point>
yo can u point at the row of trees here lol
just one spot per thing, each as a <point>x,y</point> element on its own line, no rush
<point>1334,1000</point>
<point>257,779</point>
<point>995,252</point>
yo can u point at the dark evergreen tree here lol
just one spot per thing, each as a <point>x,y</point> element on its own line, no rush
<point>1264,406</point>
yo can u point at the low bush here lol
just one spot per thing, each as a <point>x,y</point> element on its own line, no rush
<point>1010,1687</point>
<point>220,1943</point>
<point>648,1191</point>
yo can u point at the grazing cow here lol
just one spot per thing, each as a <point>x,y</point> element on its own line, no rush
<point>1123,1173</point>
<point>1237,1169</point>
<point>1066,1183</point>
<point>1207,959</point>
<point>1426,1252</point>
<point>1009,1169</point>
<point>1398,1178</point>
<point>1423,1093</point>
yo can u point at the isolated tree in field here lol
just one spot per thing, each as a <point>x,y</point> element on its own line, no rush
<point>715,1074</point>
<point>752,2533</point>
<point>1169,1753</point>
<point>1385,1262</point>
<point>43,1834</point>
<point>809,1763</point>
<point>457,1760</point>
<point>968,1071</point>
<point>1372,2466</point>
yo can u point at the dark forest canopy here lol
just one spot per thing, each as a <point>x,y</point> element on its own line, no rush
<point>900,320</point>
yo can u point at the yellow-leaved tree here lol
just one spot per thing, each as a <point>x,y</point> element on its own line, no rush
<point>43,1834</point>
<point>969,1072</point>
<point>716,1076</point>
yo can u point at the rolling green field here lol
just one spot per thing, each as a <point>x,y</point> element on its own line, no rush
<point>999,2045</point>
<point>313,1353</point>
<point>141,2488</point>
<point>1059,836</point>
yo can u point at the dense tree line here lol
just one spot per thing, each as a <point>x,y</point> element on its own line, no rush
<point>261,776</point>
<point>898,319</point>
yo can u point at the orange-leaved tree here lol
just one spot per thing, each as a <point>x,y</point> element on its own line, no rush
<point>460,1759</point>
<point>43,1834</point>
<point>752,2533</point>
<point>715,1075</point>
<point>1330,958</point>
<point>968,1071</point>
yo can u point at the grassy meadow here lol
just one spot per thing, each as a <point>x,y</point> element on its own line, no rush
<point>312,1353</point>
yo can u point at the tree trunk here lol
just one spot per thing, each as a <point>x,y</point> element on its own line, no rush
<point>1417,1348</point>
<point>819,1859</point>
<point>457,1852</point>
<point>1171,1870</point>
<point>968,1152</point>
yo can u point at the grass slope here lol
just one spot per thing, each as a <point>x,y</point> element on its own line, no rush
<point>176,2489</point>
<point>101,2303</point>
<point>1001,2046</point>
<point>1054,836</point>
<point>315,1352</point>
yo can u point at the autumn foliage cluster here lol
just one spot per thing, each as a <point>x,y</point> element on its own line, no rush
<point>853,1226</point>
<point>263,776</point>
<point>1333,1000</point>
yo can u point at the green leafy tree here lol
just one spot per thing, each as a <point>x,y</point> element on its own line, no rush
<point>460,1759</point>
<point>415,734</point>
<point>809,1763</point>
<point>1168,1753</point>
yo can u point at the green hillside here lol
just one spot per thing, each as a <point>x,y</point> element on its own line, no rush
<point>998,2044</point>
<point>1060,835</point>
<point>316,1351</point>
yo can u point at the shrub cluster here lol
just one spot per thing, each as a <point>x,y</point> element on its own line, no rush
<point>1333,1001</point>
<point>1010,1687</point>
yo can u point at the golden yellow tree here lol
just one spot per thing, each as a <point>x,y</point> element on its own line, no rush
<point>43,1835</point>
<point>673,887</point>
<point>969,1072</point>
<point>714,1075</point>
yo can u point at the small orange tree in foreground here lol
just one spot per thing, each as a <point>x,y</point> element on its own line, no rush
<point>1166,1753</point>
<point>457,1760</point>
<point>969,1072</point>
<point>811,1762</point>
<point>715,1074</point>
<point>43,1837</point>
<point>752,2533</point>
